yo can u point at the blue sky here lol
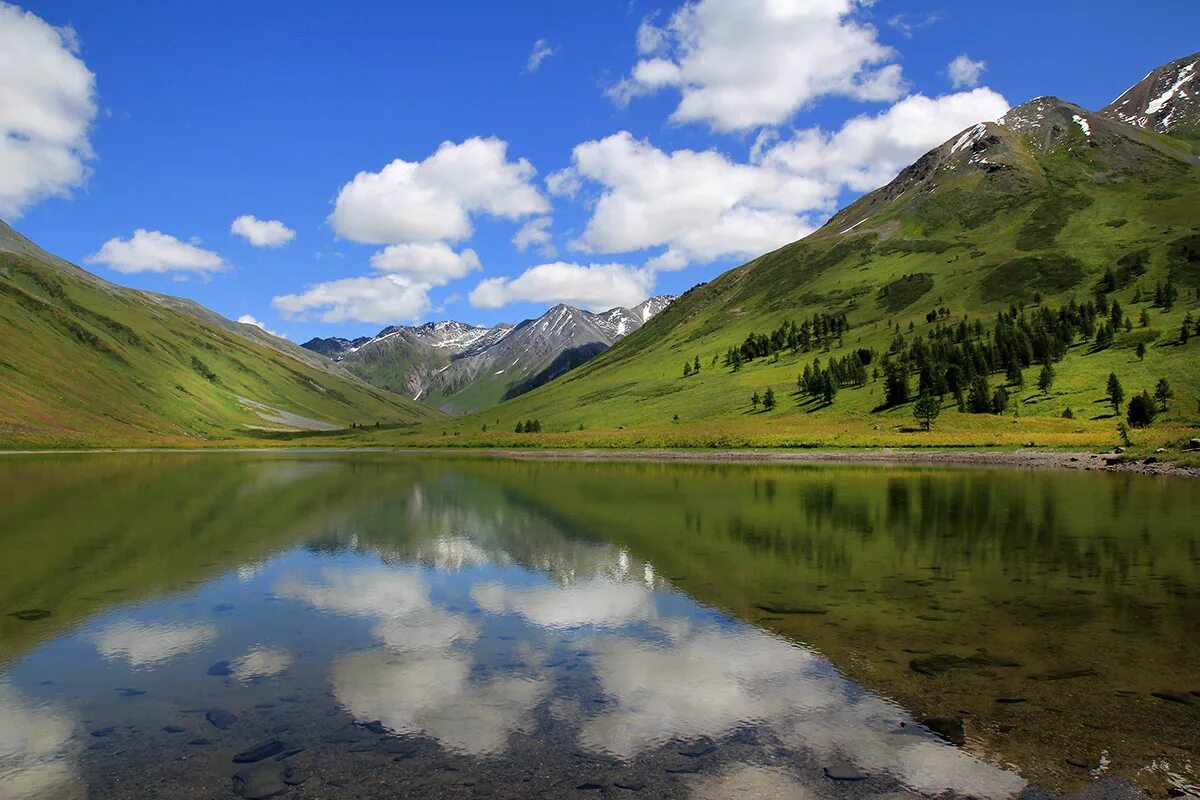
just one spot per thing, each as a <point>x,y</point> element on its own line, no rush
<point>653,146</point>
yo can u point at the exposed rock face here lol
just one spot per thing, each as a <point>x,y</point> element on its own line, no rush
<point>461,368</point>
<point>1165,101</point>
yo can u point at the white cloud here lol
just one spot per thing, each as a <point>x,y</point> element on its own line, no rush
<point>262,232</point>
<point>144,644</point>
<point>246,319</point>
<point>540,52</point>
<point>536,232</point>
<point>597,287</point>
<point>47,102</point>
<point>402,294</point>
<point>742,63</point>
<point>382,300</point>
<point>434,264</point>
<point>431,200</point>
<point>908,24</point>
<point>964,71</point>
<point>870,150</point>
<point>154,251</point>
<point>701,204</point>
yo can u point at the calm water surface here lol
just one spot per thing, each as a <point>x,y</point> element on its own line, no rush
<point>361,625</point>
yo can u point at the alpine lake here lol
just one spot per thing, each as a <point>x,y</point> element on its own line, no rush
<point>344,625</point>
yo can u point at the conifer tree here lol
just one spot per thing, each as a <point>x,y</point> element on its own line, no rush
<point>926,409</point>
<point>1046,378</point>
<point>1115,392</point>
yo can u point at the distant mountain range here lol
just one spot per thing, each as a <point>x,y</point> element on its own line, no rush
<point>460,368</point>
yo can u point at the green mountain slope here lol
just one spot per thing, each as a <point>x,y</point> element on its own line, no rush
<point>1001,218</point>
<point>87,362</point>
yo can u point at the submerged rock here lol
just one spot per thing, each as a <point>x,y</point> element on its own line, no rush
<point>944,662</point>
<point>259,782</point>
<point>260,751</point>
<point>949,728</point>
<point>844,772</point>
<point>783,608</point>
<point>220,718</point>
<point>31,614</point>
<point>1063,674</point>
<point>1172,696</point>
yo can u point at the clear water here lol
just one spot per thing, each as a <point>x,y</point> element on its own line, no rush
<point>363,625</point>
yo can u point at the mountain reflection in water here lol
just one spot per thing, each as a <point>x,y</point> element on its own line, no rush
<point>264,625</point>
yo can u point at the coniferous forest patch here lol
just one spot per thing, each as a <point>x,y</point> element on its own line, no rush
<point>902,293</point>
<point>1050,274</point>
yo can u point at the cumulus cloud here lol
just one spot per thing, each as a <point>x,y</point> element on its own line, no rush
<point>597,287</point>
<point>433,264</point>
<point>382,300</point>
<point>401,294</point>
<point>154,251</point>
<point>701,204</point>
<point>246,319</point>
<point>964,71</point>
<point>434,199</point>
<point>738,64</point>
<point>536,232</point>
<point>868,151</point>
<point>262,232</point>
<point>540,52</point>
<point>47,102</point>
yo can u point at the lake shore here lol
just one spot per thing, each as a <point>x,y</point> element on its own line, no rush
<point>1026,459</point>
<point>1016,459</point>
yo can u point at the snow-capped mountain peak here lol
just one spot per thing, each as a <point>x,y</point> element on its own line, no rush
<point>441,359</point>
<point>1166,99</point>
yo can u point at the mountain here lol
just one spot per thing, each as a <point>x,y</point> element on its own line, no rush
<point>462,368</point>
<point>1052,204</point>
<point>88,362</point>
<point>335,346</point>
<point>1167,100</point>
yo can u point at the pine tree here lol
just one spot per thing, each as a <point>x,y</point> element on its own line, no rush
<point>1141,351</point>
<point>1046,378</point>
<point>895,384</point>
<point>687,369</point>
<point>696,365</point>
<point>754,400</point>
<point>926,409</point>
<point>1116,393</point>
<point>1000,400</point>
<point>978,401</point>
<point>768,399</point>
<point>1163,394</point>
<point>1141,411</point>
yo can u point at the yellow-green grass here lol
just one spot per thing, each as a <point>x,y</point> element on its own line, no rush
<point>87,363</point>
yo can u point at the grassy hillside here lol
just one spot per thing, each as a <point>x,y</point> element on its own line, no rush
<point>1000,219</point>
<point>86,362</point>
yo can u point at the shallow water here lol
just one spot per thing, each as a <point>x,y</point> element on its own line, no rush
<point>360,625</point>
